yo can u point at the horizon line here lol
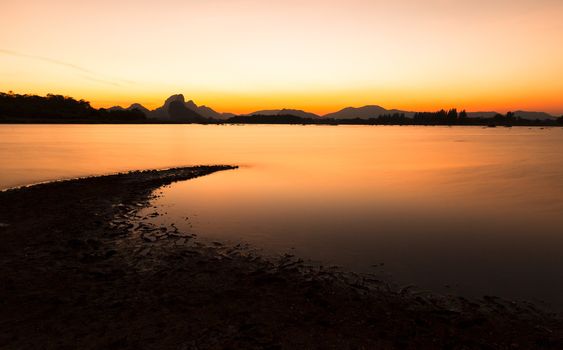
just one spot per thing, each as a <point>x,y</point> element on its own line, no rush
<point>258,109</point>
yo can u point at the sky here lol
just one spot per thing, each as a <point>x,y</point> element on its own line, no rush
<point>245,55</point>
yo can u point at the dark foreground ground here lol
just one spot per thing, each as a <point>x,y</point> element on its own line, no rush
<point>79,269</point>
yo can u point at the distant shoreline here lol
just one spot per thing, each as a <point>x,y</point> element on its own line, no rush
<point>323,123</point>
<point>58,109</point>
<point>79,266</point>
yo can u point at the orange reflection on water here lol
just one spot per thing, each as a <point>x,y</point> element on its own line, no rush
<point>470,207</point>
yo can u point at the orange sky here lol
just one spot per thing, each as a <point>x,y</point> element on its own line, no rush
<point>244,55</point>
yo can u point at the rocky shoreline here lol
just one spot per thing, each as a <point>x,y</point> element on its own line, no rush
<point>79,268</point>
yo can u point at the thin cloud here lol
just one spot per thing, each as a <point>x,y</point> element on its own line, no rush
<point>72,66</point>
<point>100,80</point>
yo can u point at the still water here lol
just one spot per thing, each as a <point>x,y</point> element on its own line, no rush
<point>465,210</point>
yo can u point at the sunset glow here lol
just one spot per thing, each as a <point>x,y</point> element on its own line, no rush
<point>244,55</point>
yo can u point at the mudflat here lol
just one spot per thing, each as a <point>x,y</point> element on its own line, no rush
<point>79,268</point>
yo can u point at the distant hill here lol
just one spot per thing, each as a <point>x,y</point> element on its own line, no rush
<point>365,112</point>
<point>163,112</point>
<point>284,112</point>
<point>130,108</point>
<point>269,119</point>
<point>518,114</point>
<point>177,111</point>
<point>228,115</point>
<point>175,108</point>
<point>139,107</point>
<point>534,115</point>
<point>206,112</point>
<point>375,111</point>
<point>61,109</point>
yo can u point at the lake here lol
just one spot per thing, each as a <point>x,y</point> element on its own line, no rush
<point>465,210</point>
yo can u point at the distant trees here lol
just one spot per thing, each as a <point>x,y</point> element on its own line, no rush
<point>15,108</point>
<point>391,119</point>
<point>122,115</point>
<point>50,106</point>
<point>58,108</point>
<point>441,117</point>
<point>452,117</point>
<point>269,119</point>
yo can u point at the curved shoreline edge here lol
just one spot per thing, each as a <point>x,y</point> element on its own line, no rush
<point>172,174</point>
<point>80,268</point>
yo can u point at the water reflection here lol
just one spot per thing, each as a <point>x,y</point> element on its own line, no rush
<point>476,209</point>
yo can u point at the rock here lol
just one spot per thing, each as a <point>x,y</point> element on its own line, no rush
<point>149,238</point>
<point>145,251</point>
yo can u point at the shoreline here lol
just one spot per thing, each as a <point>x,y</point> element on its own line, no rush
<point>485,126</point>
<point>80,268</point>
<point>115,173</point>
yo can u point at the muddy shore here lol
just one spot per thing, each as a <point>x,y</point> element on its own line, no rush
<point>80,269</point>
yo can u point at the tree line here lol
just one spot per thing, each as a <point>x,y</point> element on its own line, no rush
<point>442,117</point>
<point>16,108</point>
<point>59,109</point>
<point>452,117</point>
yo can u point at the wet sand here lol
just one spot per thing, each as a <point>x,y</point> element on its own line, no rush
<point>80,269</point>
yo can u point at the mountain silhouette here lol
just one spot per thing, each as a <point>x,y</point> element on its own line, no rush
<point>518,114</point>
<point>134,106</point>
<point>17,108</point>
<point>139,107</point>
<point>163,111</point>
<point>365,112</point>
<point>285,111</point>
<point>178,111</point>
<point>175,108</point>
<point>207,112</point>
<point>533,115</point>
<point>228,115</point>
